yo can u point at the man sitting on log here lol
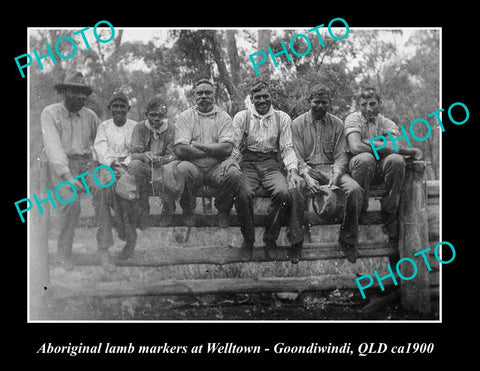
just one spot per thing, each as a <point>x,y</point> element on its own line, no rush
<point>204,141</point>
<point>264,146</point>
<point>151,152</point>
<point>360,127</point>
<point>321,148</point>
<point>112,147</point>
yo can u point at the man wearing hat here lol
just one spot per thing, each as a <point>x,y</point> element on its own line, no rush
<point>152,159</point>
<point>321,148</point>
<point>69,131</point>
<point>112,147</point>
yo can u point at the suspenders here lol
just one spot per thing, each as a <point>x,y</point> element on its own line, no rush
<point>246,133</point>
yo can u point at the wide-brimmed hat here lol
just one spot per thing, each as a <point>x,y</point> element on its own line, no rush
<point>74,80</point>
<point>329,202</point>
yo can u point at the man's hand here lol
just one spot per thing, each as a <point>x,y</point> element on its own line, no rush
<point>293,179</point>
<point>312,185</point>
<point>117,168</point>
<point>334,180</point>
<point>148,156</point>
<point>77,183</point>
<point>230,161</point>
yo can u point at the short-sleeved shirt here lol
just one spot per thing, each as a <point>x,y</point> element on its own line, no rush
<point>212,127</point>
<point>356,122</point>
<point>319,142</point>
<point>66,134</point>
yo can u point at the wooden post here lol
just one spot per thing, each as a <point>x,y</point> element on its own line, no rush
<point>413,237</point>
<point>40,287</point>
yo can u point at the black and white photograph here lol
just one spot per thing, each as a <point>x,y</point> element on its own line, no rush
<point>227,174</point>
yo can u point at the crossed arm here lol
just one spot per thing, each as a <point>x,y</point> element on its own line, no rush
<point>202,150</point>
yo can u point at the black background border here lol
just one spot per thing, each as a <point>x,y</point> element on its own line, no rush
<point>458,193</point>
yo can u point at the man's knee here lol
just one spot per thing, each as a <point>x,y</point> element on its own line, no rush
<point>394,162</point>
<point>362,161</point>
<point>282,193</point>
<point>233,175</point>
<point>187,169</point>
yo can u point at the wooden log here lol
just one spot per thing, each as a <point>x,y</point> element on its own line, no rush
<point>38,243</point>
<point>413,237</point>
<point>210,220</point>
<point>220,255</point>
<point>207,286</point>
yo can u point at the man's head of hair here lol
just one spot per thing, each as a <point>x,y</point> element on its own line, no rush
<point>319,91</point>
<point>369,92</point>
<point>257,86</point>
<point>156,103</point>
<point>118,97</point>
<point>204,81</point>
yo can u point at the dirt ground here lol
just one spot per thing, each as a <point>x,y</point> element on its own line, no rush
<point>343,305</point>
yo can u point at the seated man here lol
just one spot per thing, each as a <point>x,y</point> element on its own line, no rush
<point>321,148</point>
<point>69,131</point>
<point>112,146</point>
<point>151,148</point>
<point>262,134</point>
<point>361,126</point>
<point>204,141</point>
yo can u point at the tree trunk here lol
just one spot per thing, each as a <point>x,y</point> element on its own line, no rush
<point>263,44</point>
<point>224,75</point>
<point>233,58</point>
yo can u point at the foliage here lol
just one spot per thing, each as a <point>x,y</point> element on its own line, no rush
<point>408,82</point>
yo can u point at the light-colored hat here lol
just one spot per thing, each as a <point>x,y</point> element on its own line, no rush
<point>329,202</point>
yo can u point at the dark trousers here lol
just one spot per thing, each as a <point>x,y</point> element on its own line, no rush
<point>390,169</point>
<point>353,204</point>
<point>225,180</point>
<point>263,170</point>
<point>70,213</point>
<point>139,210</point>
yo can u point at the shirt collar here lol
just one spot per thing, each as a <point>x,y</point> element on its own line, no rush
<point>378,118</point>
<point>212,112</point>
<point>312,120</point>
<point>156,132</point>
<point>67,113</point>
<point>255,113</point>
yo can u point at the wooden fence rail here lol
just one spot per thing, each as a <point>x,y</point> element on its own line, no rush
<point>419,204</point>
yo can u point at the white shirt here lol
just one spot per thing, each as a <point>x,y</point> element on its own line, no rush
<point>113,142</point>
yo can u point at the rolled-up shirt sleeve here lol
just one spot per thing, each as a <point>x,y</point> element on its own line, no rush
<point>353,123</point>
<point>53,144</point>
<point>286,143</point>
<point>226,131</point>
<point>238,123</point>
<point>183,130</point>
